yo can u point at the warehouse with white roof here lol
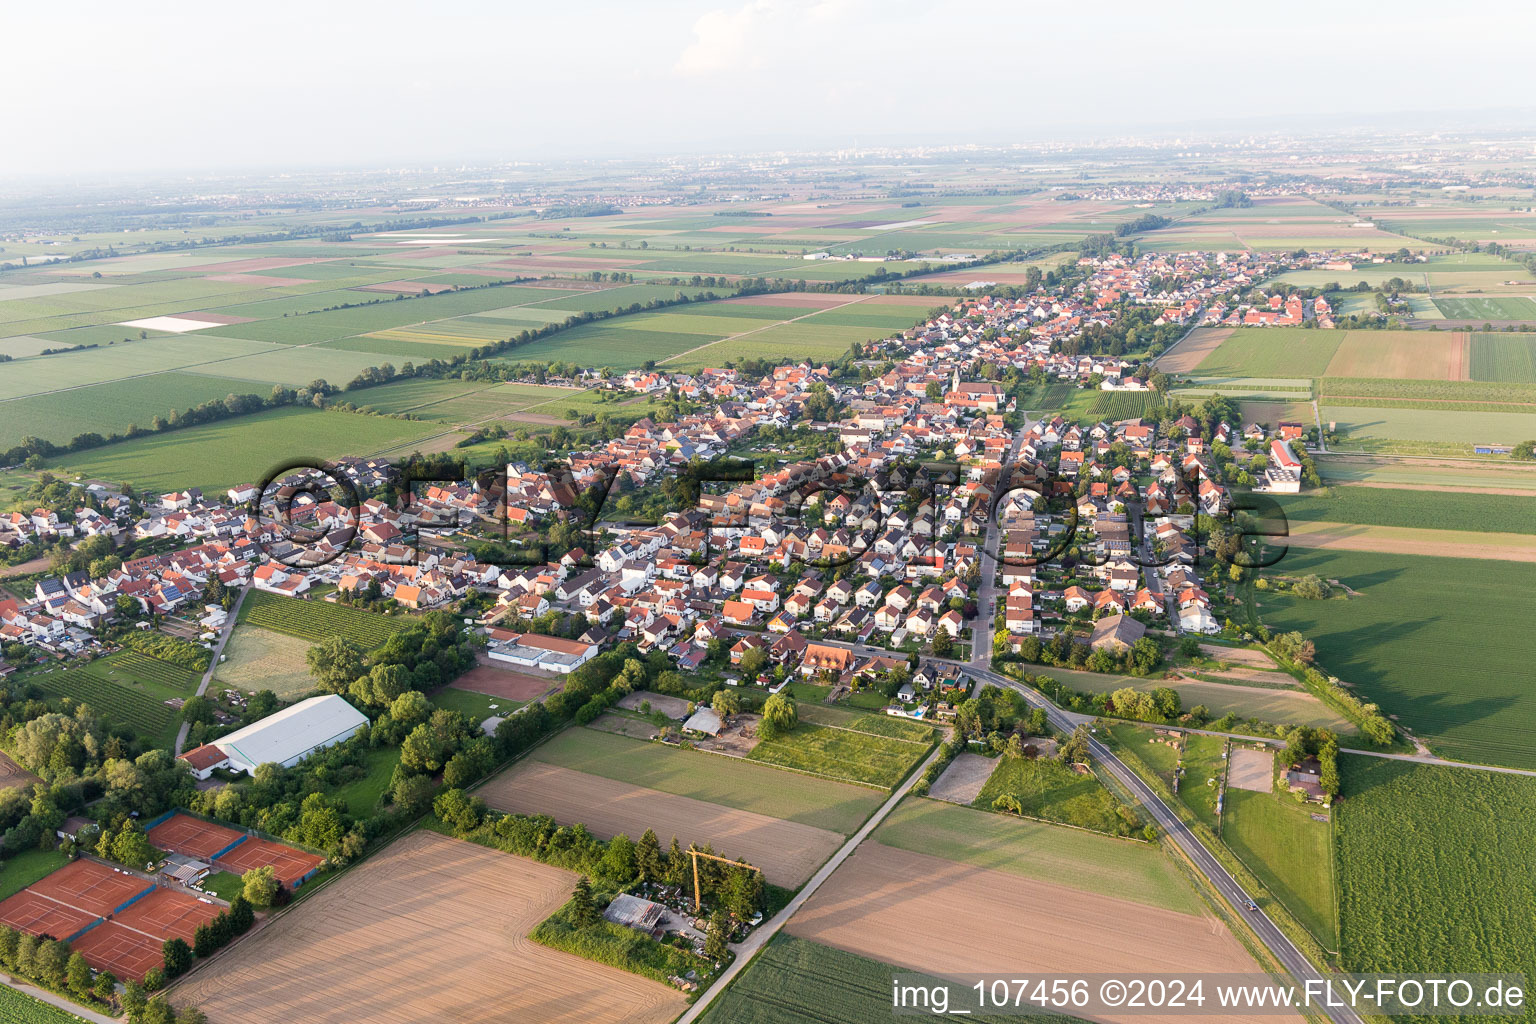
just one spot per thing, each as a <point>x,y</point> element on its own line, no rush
<point>292,734</point>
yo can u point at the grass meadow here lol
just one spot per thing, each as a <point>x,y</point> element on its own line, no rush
<point>843,754</point>
<point>1443,643</point>
<point>1291,854</point>
<point>1050,790</point>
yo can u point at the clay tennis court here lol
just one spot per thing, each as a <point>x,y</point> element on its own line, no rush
<point>923,913</point>
<point>182,833</point>
<point>430,929</point>
<point>169,913</point>
<point>788,852</point>
<point>92,887</point>
<point>290,864</point>
<point>28,912</point>
<point>125,952</point>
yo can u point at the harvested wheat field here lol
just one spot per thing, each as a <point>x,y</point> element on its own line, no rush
<point>788,852</point>
<point>432,929</point>
<point>921,913</point>
<point>1400,540</point>
<point>1403,355</point>
<point>1184,356</point>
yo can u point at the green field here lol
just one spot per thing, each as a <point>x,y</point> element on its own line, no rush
<point>843,754</point>
<point>478,706</point>
<point>1504,357</point>
<point>244,449</point>
<point>1050,790</point>
<point>1110,867</point>
<point>713,778</point>
<point>1432,394</point>
<point>1477,307</point>
<point>1374,429</point>
<point>262,659</point>
<point>1289,852</point>
<point>793,981</point>
<point>875,725</point>
<point>22,869</point>
<point>314,620</point>
<point>1437,869</point>
<point>1444,643</point>
<point>121,695</point>
<point>1389,506</point>
<point>606,343</point>
<point>112,408</point>
<point>362,796</point>
<point>20,1008</point>
<point>1272,352</point>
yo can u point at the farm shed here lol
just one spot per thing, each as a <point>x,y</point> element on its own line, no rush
<point>634,912</point>
<point>292,734</point>
<point>703,720</point>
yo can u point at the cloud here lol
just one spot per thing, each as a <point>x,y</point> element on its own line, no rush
<point>761,34</point>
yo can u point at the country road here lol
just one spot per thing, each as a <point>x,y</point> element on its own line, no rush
<point>745,951</point>
<point>213,662</point>
<point>1279,946</point>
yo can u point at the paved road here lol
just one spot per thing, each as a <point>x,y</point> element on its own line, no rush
<point>213,663</point>
<point>746,950</point>
<point>1273,938</point>
<point>986,593</point>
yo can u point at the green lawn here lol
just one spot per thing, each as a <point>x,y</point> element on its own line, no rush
<point>26,867</point>
<point>841,753</point>
<point>478,706</point>
<point>245,449</point>
<point>1099,864</point>
<point>1437,869</point>
<point>1289,852</point>
<point>1444,643</point>
<point>1051,790</point>
<point>362,796</point>
<point>730,782</point>
<point>226,885</point>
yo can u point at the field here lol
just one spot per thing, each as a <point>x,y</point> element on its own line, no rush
<point>314,620</point>
<point>1272,352</point>
<point>1270,705</point>
<point>1098,864</point>
<point>1440,430</point>
<point>1381,506</point>
<point>843,754</point>
<point>240,450</point>
<point>788,853</point>
<point>713,778</point>
<point>20,1008</point>
<point>873,724</point>
<point>881,898</point>
<point>478,706</point>
<point>1413,891</point>
<point>122,699</point>
<point>1289,852</point>
<point>1509,547</point>
<point>1440,642</point>
<point>1480,307</point>
<point>1192,350</point>
<point>26,867</point>
<point>793,981</point>
<point>362,796</point>
<point>1442,476</point>
<point>1414,355</point>
<point>261,659</point>
<point>1050,790</point>
<point>428,929</point>
<point>1509,358</point>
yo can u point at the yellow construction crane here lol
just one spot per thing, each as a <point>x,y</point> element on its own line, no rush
<point>698,902</point>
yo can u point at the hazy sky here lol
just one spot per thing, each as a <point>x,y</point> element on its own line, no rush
<point>171,86</point>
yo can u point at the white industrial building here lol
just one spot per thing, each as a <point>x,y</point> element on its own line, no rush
<point>292,734</point>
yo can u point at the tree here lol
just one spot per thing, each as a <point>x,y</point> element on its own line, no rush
<point>779,716</point>
<point>131,846</point>
<point>191,1015</point>
<point>335,662</point>
<point>583,908</point>
<point>412,793</point>
<point>715,947</point>
<point>260,886</point>
<point>158,1009</point>
<point>78,974</point>
<point>133,999</point>
<point>1074,749</point>
<point>725,703</point>
<point>753,660</point>
<point>241,916</point>
<point>104,987</point>
<point>178,957</point>
<point>410,708</point>
<point>943,643</point>
<point>203,942</point>
<point>460,811</point>
<point>677,863</point>
<point>648,857</point>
